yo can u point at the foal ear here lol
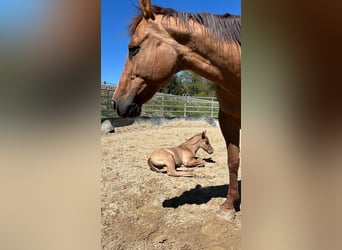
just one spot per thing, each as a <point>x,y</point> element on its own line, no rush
<point>146,7</point>
<point>203,134</point>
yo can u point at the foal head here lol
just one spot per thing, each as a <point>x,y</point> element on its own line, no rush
<point>205,144</point>
<point>151,63</point>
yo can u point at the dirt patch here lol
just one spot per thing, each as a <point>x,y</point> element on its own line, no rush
<point>142,209</point>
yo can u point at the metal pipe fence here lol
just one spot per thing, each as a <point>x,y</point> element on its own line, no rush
<point>165,105</point>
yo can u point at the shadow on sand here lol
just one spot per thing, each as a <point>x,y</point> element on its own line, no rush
<point>200,195</point>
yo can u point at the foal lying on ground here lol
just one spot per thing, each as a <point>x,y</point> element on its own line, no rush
<point>168,159</point>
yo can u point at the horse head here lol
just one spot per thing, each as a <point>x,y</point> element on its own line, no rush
<point>205,144</point>
<point>150,64</point>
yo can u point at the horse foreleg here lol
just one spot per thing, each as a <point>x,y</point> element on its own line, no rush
<point>171,170</point>
<point>230,128</point>
<point>194,163</point>
<point>227,208</point>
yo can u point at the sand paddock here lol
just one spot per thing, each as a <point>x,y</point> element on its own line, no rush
<point>142,209</point>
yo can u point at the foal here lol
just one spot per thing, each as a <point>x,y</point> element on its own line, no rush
<point>168,159</point>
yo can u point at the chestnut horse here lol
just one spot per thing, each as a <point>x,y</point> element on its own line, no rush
<point>168,159</point>
<point>164,42</point>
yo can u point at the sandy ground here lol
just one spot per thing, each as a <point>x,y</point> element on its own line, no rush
<point>142,209</point>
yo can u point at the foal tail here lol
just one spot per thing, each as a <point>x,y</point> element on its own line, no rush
<point>149,162</point>
<point>152,167</point>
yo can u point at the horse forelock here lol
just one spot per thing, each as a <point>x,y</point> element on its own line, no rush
<point>226,27</point>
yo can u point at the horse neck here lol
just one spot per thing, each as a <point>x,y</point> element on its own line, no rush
<point>193,144</point>
<point>202,54</point>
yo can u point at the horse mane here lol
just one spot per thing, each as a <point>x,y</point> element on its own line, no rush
<point>226,27</point>
<point>193,137</point>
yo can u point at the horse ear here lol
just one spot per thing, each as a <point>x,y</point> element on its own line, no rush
<point>146,7</point>
<point>203,134</point>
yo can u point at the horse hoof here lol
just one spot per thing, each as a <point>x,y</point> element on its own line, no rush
<point>228,215</point>
<point>199,176</point>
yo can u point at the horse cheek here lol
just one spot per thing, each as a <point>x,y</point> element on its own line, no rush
<point>165,61</point>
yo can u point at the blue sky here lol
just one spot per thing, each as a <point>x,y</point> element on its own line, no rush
<point>115,18</point>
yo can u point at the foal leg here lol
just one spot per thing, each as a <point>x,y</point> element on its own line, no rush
<point>157,167</point>
<point>194,163</point>
<point>171,169</point>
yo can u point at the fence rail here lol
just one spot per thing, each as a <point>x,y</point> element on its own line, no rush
<point>165,105</point>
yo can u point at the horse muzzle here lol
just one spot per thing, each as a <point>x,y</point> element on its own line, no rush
<point>132,110</point>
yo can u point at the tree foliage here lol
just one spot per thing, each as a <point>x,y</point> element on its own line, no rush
<point>187,82</point>
<point>174,87</point>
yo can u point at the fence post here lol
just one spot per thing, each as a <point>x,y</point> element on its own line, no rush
<point>108,103</point>
<point>162,106</point>
<point>185,101</point>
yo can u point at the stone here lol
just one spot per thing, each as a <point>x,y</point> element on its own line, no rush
<point>107,126</point>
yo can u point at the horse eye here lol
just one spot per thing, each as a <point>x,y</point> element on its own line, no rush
<point>132,51</point>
